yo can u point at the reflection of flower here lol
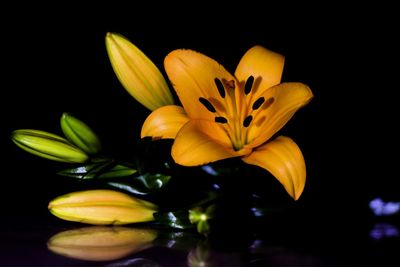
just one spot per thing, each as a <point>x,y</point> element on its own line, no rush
<point>99,243</point>
<point>384,230</point>
<point>101,207</point>
<point>225,116</point>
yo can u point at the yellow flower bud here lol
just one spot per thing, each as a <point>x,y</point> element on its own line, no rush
<point>49,146</point>
<point>80,134</point>
<point>101,207</point>
<point>100,243</point>
<point>137,73</point>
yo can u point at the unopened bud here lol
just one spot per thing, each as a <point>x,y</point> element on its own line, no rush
<point>80,134</point>
<point>102,207</point>
<point>137,73</point>
<point>49,146</point>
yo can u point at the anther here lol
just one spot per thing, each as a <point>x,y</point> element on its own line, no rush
<point>207,104</point>
<point>221,120</point>
<point>220,87</point>
<point>248,85</point>
<point>247,121</point>
<point>257,104</point>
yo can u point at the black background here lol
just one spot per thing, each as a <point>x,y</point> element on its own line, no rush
<point>55,61</point>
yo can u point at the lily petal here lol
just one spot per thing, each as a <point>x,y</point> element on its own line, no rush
<point>193,76</point>
<point>164,122</point>
<point>200,142</point>
<point>287,99</point>
<point>284,160</point>
<point>264,65</point>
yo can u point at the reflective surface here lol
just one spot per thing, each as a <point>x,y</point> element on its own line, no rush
<point>307,242</point>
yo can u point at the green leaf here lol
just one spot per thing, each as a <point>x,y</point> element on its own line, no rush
<point>118,171</point>
<point>128,187</point>
<point>100,170</point>
<point>143,184</point>
<point>153,182</point>
<point>174,219</point>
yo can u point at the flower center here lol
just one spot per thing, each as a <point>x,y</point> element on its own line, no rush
<point>236,110</point>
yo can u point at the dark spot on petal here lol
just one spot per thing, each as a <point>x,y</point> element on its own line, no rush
<point>260,121</point>
<point>229,85</point>
<point>248,85</point>
<point>221,120</point>
<point>220,87</point>
<point>257,104</point>
<point>207,104</point>
<point>268,102</point>
<point>247,121</point>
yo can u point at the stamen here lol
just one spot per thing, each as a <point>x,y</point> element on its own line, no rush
<point>229,85</point>
<point>221,120</point>
<point>247,121</point>
<point>207,104</point>
<point>248,85</point>
<point>257,104</point>
<point>220,87</point>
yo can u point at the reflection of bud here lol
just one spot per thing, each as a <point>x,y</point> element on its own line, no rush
<point>140,77</point>
<point>102,207</point>
<point>47,145</point>
<point>100,243</point>
<point>80,134</point>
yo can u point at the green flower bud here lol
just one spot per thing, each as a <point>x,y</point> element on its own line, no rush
<point>80,134</point>
<point>102,207</point>
<point>47,145</point>
<point>199,217</point>
<point>101,243</point>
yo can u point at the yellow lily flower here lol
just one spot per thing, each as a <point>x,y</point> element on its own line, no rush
<point>225,116</point>
<point>137,73</point>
